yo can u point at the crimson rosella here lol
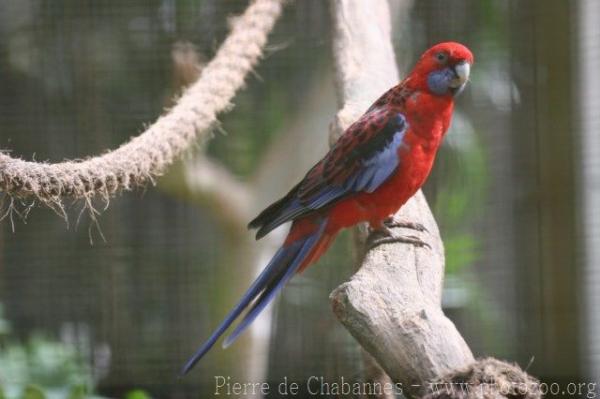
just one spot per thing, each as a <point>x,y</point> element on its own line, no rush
<point>379,162</point>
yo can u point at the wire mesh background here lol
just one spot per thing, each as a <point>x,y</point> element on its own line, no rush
<point>77,78</point>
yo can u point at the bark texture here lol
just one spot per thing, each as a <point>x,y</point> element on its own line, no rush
<point>392,305</point>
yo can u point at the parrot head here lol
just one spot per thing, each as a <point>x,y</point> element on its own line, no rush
<point>444,69</point>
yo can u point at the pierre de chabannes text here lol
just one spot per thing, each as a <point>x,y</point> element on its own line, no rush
<point>318,386</point>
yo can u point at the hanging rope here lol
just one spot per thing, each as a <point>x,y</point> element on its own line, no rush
<point>146,156</point>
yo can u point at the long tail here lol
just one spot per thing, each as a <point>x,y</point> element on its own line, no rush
<point>292,257</point>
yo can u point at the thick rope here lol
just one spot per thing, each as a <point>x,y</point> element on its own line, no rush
<point>146,156</point>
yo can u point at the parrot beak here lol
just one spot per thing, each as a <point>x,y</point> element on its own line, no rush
<point>461,76</point>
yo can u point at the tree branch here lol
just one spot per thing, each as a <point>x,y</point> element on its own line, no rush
<point>392,305</point>
<point>203,180</point>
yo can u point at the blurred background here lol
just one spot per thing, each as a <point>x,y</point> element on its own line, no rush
<point>516,192</point>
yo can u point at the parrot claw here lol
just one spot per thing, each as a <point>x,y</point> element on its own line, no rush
<point>390,223</point>
<point>387,236</point>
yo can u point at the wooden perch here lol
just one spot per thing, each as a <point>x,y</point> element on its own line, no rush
<point>392,305</point>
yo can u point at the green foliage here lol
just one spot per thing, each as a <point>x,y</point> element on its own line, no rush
<point>459,201</point>
<point>78,392</point>
<point>41,368</point>
<point>460,195</point>
<point>33,392</point>
<point>137,394</point>
<point>46,362</point>
<point>461,251</point>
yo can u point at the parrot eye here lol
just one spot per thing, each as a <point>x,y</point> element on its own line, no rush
<point>441,57</point>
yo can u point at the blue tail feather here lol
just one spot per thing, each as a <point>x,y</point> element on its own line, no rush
<point>270,281</point>
<point>272,289</point>
<point>254,290</point>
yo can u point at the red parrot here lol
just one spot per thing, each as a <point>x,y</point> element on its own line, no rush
<point>379,162</point>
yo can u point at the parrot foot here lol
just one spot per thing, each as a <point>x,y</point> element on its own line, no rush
<point>417,242</point>
<point>387,236</point>
<point>390,222</point>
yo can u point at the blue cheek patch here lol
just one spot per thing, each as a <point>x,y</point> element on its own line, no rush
<point>439,81</point>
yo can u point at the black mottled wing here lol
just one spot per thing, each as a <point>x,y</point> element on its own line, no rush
<point>360,161</point>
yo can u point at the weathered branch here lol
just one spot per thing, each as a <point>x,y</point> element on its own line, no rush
<point>147,155</point>
<point>207,182</point>
<point>392,305</point>
<point>364,57</point>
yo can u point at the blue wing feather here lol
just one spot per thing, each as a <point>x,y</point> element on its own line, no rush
<point>349,168</point>
<point>383,164</point>
<point>362,159</point>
